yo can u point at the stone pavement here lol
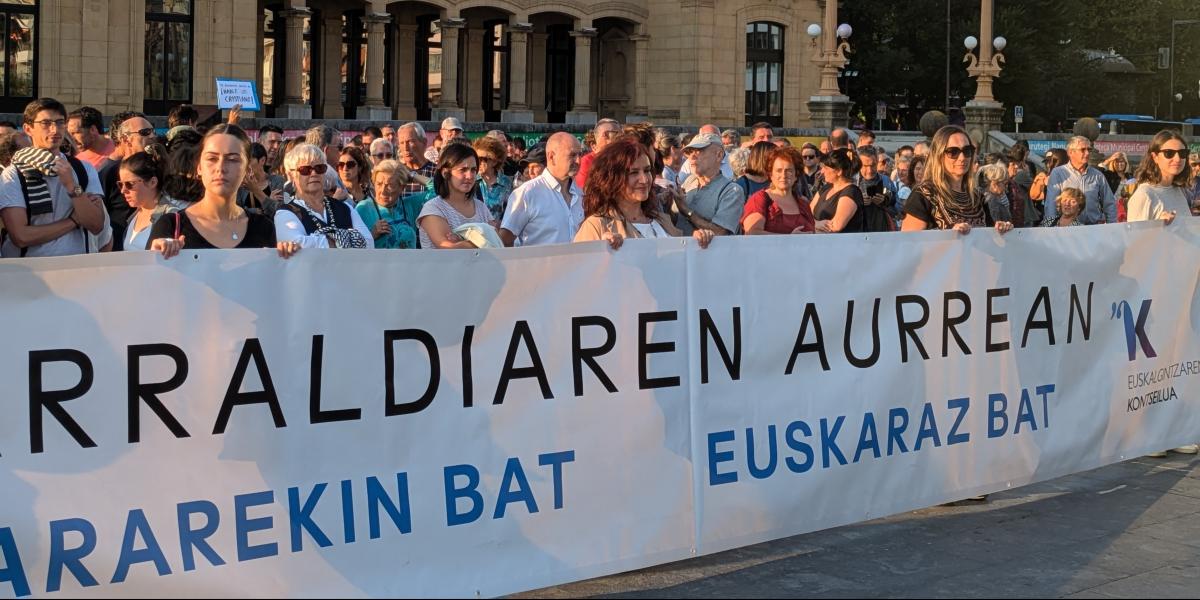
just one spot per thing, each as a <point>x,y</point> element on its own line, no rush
<point>1129,530</point>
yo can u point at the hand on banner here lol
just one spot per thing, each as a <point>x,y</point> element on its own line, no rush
<point>167,247</point>
<point>286,249</point>
<point>614,239</point>
<point>1167,216</point>
<point>963,228</point>
<point>1003,227</point>
<point>703,236</point>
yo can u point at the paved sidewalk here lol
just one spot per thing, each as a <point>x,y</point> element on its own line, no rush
<point>1130,530</point>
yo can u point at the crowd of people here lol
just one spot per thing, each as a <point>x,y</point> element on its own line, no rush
<point>70,187</point>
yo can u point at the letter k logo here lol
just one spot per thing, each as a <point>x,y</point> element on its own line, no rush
<point>1135,331</point>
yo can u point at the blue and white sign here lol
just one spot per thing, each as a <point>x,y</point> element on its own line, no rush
<point>231,92</point>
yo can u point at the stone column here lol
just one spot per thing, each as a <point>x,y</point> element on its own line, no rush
<point>641,52</point>
<point>331,66</point>
<point>518,80</point>
<point>475,86</point>
<point>537,76</point>
<point>373,108</point>
<point>404,52</point>
<point>582,112</point>
<point>293,106</point>
<point>448,106</point>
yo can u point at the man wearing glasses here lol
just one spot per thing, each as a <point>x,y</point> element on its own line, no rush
<point>48,202</point>
<point>1100,203</point>
<point>133,132</point>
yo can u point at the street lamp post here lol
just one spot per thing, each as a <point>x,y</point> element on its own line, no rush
<point>1175,23</point>
<point>984,112</point>
<point>829,108</point>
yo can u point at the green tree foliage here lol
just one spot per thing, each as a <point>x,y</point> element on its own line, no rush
<point>1053,67</point>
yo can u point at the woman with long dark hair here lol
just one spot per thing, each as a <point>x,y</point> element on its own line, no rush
<point>140,179</point>
<point>216,220</point>
<point>1162,180</point>
<point>456,203</point>
<point>838,208</point>
<point>617,199</point>
<point>947,198</point>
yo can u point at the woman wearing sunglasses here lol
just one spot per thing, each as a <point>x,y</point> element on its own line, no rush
<point>1162,180</point>
<point>216,220</point>
<point>140,180</point>
<point>355,173</point>
<point>947,198</point>
<point>311,218</point>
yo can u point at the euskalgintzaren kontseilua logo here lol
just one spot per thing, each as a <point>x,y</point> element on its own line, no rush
<point>1135,329</point>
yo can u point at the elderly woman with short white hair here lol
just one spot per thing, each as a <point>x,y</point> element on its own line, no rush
<point>310,217</point>
<point>391,224</point>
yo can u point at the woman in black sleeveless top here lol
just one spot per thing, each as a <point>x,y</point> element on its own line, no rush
<point>946,198</point>
<point>839,206</point>
<point>216,221</point>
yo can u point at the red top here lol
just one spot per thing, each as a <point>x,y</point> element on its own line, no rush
<point>777,220</point>
<point>585,165</point>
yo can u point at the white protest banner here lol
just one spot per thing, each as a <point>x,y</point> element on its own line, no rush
<point>448,423</point>
<point>232,92</point>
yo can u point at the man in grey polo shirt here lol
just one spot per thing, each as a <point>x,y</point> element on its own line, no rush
<point>1101,205</point>
<point>715,203</point>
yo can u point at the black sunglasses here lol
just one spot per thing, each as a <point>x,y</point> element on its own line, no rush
<point>307,170</point>
<point>954,152</point>
<point>1170,154</point>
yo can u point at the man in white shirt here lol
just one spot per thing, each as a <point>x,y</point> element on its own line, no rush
<point>547,209</point>
<point>66,209</point>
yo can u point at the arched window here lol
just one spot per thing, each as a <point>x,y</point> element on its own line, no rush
<point>168,55</point>
<point>764,73</point>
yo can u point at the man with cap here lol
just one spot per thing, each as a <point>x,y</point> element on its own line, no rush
<point>532,164</point>
<point>547,209</point>
<point>685,173</point>
<point>714,202</point>
<point>451,128</point>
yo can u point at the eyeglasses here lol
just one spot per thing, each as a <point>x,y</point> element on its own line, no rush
<point>1083,150</point>
<point>307,170</point>
<point>808,156</point>
<point>347,164</point>
<point>126,186</point>
<point>48,123</point>
<point>954,152</point>
<point>381,155</point>
<point>1170,154</point>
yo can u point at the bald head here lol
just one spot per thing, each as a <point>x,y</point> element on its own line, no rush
<point>709,128</point>
<point>562,155</point>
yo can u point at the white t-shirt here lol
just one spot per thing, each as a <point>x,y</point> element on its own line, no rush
<point>1149,202</point>
<point>437,206</point>
<point>537,213</point>
<point>11,196</point>
<point>650,230</point>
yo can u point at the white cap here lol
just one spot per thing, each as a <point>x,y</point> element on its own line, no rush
<point>452,123</point>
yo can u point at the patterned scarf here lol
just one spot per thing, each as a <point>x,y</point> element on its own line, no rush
<point>960,207</point>
<point>343,238</point>
<point>35,165</point>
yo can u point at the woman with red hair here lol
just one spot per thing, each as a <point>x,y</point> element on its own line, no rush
<point>778,209</point>
<point>617,199</point>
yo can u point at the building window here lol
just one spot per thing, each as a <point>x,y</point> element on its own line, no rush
<point>18,69</point>
<point>428,71</point>
<point>764,73</point>
<point>495,69</point>
<point>168,55</point>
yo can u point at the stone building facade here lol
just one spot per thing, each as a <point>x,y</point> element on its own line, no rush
<point>730,62</point>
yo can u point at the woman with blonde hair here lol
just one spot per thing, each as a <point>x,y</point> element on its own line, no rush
<point>947,197</point>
